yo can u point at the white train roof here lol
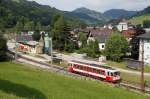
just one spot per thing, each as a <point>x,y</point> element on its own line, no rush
<point>97,66</point>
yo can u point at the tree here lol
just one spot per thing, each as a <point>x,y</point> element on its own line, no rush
<point>116,47</point>
<point>82,25</point>
<point>29,25</point>
<point>57,34</point>
<point>146,23</point>
<point>36,36</point>
<point>3,48</point>
<point>82,39</point>
<point>71,46</point>
<point>21,24</point>
<point>61,34</point>
<point>92,49</point>
<point>54,19</point>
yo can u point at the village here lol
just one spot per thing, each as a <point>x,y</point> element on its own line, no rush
<point>136,37</point>
<point>74,50</point>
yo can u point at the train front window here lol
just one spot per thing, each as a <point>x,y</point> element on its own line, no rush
<point>111,74</point>
<point>116,73</point>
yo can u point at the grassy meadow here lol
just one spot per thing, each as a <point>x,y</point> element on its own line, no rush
<point>26,82</point>
<point>139,19</point>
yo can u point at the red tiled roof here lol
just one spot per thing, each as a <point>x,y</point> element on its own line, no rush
<point>129,33</point>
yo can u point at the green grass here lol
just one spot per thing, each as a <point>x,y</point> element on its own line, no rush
<point>26,82</point>
<point>139,19</point>
<point>123,66</point>
<point>135,79</point>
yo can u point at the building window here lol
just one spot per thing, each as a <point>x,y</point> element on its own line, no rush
<point>103,46</point>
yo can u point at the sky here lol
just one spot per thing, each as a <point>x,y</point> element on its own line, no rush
<point>98,5</point>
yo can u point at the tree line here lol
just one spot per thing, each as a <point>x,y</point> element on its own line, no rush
<point>146,24</point>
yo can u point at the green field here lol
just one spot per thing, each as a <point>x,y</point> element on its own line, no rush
<point>123,66</point>
<point>139,19</point>
<point>26,82</point>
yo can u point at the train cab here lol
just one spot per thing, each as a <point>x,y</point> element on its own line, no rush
<point>95,70</point>
<point>113,75</point>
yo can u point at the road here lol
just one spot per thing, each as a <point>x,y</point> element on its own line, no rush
<point>75,57</point>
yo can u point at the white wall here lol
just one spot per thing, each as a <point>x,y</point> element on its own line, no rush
<point>122,26</point>
<point>146,51</point>
<point>101,46</point>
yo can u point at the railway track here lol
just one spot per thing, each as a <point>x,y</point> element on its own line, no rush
<point>63,71</point>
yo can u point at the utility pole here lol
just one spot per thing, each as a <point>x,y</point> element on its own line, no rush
<point>142,68</point>
<point>15,47</point>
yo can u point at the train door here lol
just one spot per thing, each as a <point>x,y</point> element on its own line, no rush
<point>109,76</point>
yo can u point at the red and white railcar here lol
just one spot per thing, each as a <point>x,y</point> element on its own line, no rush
<point>94,70</point>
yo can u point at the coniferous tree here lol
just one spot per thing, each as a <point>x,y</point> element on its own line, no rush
<point>3,48</point>
<point>61,34</point>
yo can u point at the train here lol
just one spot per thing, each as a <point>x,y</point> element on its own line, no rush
<point>97,71</point>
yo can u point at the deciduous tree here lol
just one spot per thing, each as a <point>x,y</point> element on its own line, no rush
<point>116,47</point>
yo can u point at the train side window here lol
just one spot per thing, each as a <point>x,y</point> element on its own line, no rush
<point>85,68</point>
<point>69,64</point>
<point>88,69</point>
<point>80,67</point>
<point>102,72</point>
<point>108,74</point>
<point>74,65</point>
<point>98,71</point>
<point>94,70</point>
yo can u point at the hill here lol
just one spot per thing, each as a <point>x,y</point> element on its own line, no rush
<point>25,82</point>
<point>88,16</point>
<point>139,19</point>
<point>119,13</point>
<point>144,11</point>
<point>141,16</point>
<point>14,10</point>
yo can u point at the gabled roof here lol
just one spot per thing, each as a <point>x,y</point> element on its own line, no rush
<point>145,35</point>
<point>129,33</point>
<point>99,33</point>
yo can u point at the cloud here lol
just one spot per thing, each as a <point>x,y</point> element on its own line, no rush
<point>99,5</point>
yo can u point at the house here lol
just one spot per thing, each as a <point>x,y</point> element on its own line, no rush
<point>99,34</point>
<point>26,44</point>
<point>27,47</point>
<point>129,34</point>
<point>145,42</point>
<point>147,29</point>
<point>122,26</point>
<point>109,26</point>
